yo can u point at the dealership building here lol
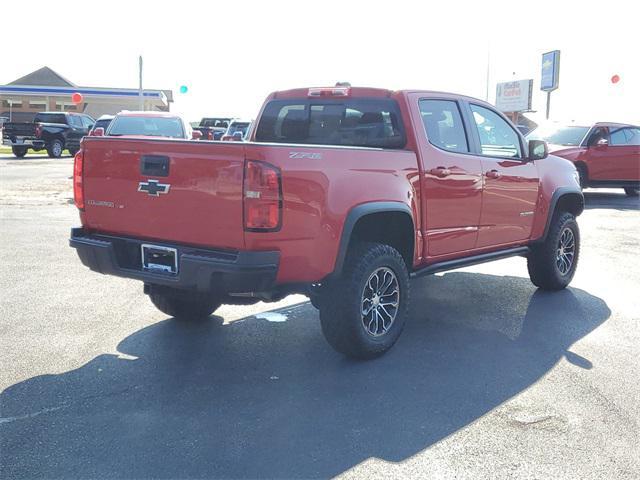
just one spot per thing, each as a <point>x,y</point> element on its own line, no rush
<point>47,90</point>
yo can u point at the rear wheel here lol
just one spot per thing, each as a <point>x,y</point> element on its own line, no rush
<point>19,152</point>
<point>363,312</point>
<point>553,263</point>
<point>184,305</point>
<point>632,192</point>
<point>54,149</point>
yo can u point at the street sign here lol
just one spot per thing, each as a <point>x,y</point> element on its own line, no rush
<point>550,71</point>
<point>514,96</point>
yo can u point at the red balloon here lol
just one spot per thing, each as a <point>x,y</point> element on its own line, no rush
<point>615,79</point>
<point>76,98</point>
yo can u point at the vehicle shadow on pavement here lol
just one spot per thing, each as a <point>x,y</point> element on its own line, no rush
<point>257,399</point>
<point>608,200</point>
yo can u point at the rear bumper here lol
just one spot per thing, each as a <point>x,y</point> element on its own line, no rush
<point>27,142</point>
<point>198,269</point>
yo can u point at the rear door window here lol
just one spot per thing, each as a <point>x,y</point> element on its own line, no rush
<point>443,124</point>
<point>624,136</point>
<point>75,121</point>
<point>364,122</point>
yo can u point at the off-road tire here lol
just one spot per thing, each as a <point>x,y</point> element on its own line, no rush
<point>543,259</point>
<point>632,192</point>
<point>54,148</point>
<point>341,314</point>
<point>184,305</point>
<point>19,152</point>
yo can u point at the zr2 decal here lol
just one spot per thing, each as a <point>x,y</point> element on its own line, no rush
<point>310,156</point>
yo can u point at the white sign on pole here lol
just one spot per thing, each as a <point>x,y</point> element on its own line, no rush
<point>514,96</point>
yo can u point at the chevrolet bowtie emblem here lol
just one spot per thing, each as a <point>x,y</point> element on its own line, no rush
<point>153,187</point>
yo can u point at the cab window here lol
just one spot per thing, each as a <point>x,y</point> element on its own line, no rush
<point>443,123</point>
<point>497,137</point>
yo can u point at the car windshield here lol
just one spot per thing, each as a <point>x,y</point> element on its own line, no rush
<point>566,136</point>
<point>364,122</point>
<point>148,126</point>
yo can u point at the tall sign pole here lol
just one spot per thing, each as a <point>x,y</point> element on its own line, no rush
<point>140,95</point>
<point>550,75</point>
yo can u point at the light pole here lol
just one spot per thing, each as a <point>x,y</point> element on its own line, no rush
<point>140,93</point>
<point>10,110</point>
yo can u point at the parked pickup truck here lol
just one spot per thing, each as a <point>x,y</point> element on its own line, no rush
<point>53,131</point>
<point>342,194</point>
<point>212,128</point>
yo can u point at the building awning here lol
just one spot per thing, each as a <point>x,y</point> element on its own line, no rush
<point>89,93</point>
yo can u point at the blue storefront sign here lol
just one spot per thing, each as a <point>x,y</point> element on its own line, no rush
<point>550,71</point>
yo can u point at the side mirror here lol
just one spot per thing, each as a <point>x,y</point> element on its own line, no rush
<point>196,135</point>
<point>538,150</point>
<point>603,142</point>
<point>97,132</point>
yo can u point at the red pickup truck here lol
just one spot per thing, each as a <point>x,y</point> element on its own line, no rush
<point>342,194</point>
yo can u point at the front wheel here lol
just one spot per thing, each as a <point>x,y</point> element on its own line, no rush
<point>54,149</point>
<point>632,192</point>
<point>184,305</point>
<point>363,312</point>
<point>19,152</point>
<point>553,263</point>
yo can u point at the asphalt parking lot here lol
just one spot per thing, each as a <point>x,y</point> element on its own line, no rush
<point>490,379</point>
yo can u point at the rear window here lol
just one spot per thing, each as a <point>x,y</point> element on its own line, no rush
<point>362,122</point>
<point>148,126</point>
<point>51,118</point>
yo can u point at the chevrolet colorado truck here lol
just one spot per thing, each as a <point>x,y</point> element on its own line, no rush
<point>343,194</point>
<point>53,131</point>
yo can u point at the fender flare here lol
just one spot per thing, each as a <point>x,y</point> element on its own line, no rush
<point>355,214</point>
<point>557,194</point>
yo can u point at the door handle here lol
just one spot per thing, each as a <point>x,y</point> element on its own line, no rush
<point>493,174</point>
<point>440,172</point>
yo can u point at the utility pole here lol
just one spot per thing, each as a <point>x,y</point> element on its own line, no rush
<point>10,110</point>
<point>140,93</point>
<point>486,95</point>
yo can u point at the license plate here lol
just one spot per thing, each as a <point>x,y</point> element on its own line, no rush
<point>158,259</point>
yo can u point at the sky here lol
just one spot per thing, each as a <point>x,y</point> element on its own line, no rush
<point>231,55</point>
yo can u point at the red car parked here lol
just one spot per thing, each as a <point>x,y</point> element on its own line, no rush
<point>343,194</point>
<point>605,154</point>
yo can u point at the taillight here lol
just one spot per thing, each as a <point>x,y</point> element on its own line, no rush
<point>38,130</point>
<point>262,192</point>
<point>78,174</point>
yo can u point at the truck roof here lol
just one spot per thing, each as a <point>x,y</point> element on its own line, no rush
<point>368,92</point>
<point>149,113</point>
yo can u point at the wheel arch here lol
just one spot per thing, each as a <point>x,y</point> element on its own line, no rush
<point>565,199</point>
<point>580,165</point>
<point>385,222</point>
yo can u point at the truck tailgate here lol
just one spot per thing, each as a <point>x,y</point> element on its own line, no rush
<point>196,198</point>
